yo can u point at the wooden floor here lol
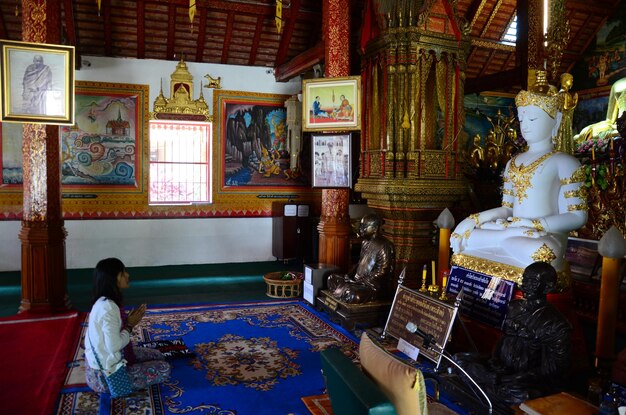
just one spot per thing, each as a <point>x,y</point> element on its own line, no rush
<point>183,284</point>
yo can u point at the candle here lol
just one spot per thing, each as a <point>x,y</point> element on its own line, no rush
<point>424,271</point>
<point>444,282</point>
<point>593,153</point>
<point>443,258</point>
<point>434,278</point>
<point>611,144</point>
<point>607,313</point>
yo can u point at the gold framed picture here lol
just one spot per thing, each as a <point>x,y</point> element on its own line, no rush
<point>37,83</point>
<point>331,104</point>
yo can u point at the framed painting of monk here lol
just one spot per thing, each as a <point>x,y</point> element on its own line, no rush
<point>331,104</point>
<point>37,83</point>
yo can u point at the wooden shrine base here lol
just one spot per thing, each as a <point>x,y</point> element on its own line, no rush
<point>350,315</point>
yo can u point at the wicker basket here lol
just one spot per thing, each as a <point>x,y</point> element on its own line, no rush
<point>279,288</point>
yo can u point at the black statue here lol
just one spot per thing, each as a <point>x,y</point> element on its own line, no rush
<point>533,356</point>
<point>376,262</point>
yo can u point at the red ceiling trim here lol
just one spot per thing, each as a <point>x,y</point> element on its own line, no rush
<point>227,36</point>
<point>141,30</point>
<point>108,42</point>
<point>171,31</point>
<point>256,40</point>
<point>285,40</point>
<point>301,63</point>
<point>201,35</point>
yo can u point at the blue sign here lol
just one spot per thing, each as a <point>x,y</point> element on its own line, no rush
<point>484,298</point>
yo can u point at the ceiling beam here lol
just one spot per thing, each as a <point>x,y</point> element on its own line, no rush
<point>256,39</point>
<point>252,8</point>
<point>300,64</point>
<point>70,30</point>
<point>589,7</point>
<point>491,44</point>
<point>491,82</point>
<point>141,29</point>
<point>171,31</point>
<point>487,64</point>
<point>3,27</point>
<point>285,40</point>
<point>201,35</point>
<point>473,11</point>
<point>227,36</point>
<point>108,41</point>
<point>493,14</point>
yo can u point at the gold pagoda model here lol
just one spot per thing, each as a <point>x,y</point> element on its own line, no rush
<point>413,77</point>
<point>181,105</point>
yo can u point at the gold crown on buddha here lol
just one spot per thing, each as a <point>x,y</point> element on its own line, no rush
<point>541,94</point>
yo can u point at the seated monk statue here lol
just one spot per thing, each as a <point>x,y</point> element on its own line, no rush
<point>368,281</point>
<point>617,105</point>
<point>543,197</point>
<point>532,357</point>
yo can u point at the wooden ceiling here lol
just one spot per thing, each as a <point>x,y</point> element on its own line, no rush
<point>243,32</point>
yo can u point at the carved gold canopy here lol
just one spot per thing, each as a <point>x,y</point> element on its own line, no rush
<point>181,105</point>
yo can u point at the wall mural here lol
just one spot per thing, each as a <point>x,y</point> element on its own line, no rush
<point>605,62</point>
<point>103,155</point>
<point>252,153</point>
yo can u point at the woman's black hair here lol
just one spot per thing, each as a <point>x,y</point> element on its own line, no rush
<point>105,280</point>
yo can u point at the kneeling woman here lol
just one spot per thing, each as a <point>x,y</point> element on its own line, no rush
<point>109,330</point>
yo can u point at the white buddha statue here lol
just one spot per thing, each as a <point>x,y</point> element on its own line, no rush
<point>543,198</point>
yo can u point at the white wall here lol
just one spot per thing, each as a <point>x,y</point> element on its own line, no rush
<point>153,242</point>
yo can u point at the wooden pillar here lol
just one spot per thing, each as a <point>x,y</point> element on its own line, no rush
<point>334,226</point>
<point>44,280</point>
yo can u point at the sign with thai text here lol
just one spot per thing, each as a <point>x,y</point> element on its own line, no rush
<point>412,310</point>
<point>485,298</point>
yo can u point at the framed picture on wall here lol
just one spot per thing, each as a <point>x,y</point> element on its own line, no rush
<point>331,104</point>
<point>37,83</point>
<point>332,160</point>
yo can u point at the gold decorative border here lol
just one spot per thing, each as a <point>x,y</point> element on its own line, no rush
<point>504,271</point>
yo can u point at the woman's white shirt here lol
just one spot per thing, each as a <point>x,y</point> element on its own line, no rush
<point>105,331</point>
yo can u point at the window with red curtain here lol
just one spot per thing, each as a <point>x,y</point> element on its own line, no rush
<point>180,162</point>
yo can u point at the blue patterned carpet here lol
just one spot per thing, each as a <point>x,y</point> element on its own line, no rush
<point>250,359</point>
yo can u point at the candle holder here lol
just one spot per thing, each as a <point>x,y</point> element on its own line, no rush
<point>423,289</point>
<point>444,285</point>
<point>433,290</point>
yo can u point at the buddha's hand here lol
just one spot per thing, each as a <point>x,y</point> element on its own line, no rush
<point>497,225</point>
<point>458,239</point>
<point>537,226</point>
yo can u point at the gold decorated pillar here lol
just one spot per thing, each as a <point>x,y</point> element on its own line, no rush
<point>334,226</point>
<point>412,69</point>
<point>44,281</point>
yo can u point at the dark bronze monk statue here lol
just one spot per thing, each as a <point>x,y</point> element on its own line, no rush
<point>368,281</point>
<point>533,356</point>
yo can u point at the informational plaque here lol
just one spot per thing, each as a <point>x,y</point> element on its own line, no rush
<point>485,298</point>
<point>412,309</point>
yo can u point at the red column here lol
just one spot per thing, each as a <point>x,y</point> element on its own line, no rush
<point>44,280</point>
<point>334,226</point>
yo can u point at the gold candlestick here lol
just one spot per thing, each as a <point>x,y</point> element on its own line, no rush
<point>444,284</point>
<point>424,271</point>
